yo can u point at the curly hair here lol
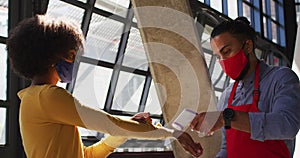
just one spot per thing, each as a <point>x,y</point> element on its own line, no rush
<point>39,42</point>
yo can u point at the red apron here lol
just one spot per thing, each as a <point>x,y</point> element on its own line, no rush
<point>240,145</point>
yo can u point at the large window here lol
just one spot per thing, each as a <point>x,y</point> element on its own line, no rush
<point>269,13</point>
<point>113,74</point>
<point>297,2</point>
<point>113,70</point>
<point>2,126</point>
<point>266,17</point>
<point>3,70</point>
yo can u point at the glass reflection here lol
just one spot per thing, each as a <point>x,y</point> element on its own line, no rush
<point>3,18</point>
<point>128,92</point>
<point>3,72</point>
<point>2,126</point>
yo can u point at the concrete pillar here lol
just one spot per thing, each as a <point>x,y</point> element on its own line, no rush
<point>177,64</point>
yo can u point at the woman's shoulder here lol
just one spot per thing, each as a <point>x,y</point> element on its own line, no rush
<point>53,90</point>
<point>44,91</point>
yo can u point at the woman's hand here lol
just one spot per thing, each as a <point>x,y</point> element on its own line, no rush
<point>142,117</point>
<point>188,143</point>
<point>184,138</point>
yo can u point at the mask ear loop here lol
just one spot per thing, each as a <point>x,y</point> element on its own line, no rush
<point>244,43</point>
<point>71,56</point>
<point>245,70</point>
<point>77,59</point>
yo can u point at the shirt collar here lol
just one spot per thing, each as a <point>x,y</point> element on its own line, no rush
<point>250,79</point>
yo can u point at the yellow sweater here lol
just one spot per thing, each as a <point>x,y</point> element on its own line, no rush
<point>49,116</point>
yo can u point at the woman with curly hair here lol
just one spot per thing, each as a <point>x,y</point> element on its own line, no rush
<point>43,50</point>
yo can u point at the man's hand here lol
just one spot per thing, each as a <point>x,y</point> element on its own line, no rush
<point>188,143</point>
<point>207,122</point>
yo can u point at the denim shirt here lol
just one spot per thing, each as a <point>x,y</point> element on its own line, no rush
<point>279,105</point>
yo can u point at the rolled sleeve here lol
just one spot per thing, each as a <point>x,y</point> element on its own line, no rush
<point>222,154</point>
<point>257,121</point>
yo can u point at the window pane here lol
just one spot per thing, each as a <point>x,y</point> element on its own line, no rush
<point>281,15</point>
<point>216,4</point>
<point>135,56</point>
<point>134,19</point>
<point>94,81</point>
<point>3,72</point>
<point>103,38</point>
<point>258,53</point>
<point>232,9</point>
<point>218,95</point>
<point>58,8</point>
<point>2,126</point>
<point>273,10</point>
<point>84,1</point>
<point>265,27</point>
<point>118,7</point>
<point>282,36</point>
<point>274,32</point>
<point>140,145</point>
<point>153,104</point>
<point>205,39</point>
<point>86,132</point>
<point>218,77</point>
<point>207,58</point>
<point>128,92</point>
<point>276,61</point>
<point>264,6</point>
<point>3,17</point>
<point>246,11</point>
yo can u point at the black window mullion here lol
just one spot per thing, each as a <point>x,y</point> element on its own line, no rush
<point>109,15</point>
<point>145,92</point>
<point>240,7</point>
<point>133,24</point>
<point>225,7</point>
<point>280,21</point>
<point>111,66</point>
<point>207,2</point>
<point>2,40</point>
<point>212,65</point>
<point>133,70</point>
<point>4,104</point>
<point>262,31</point>
<point>256,15</point>
<point>84,27</point>
<point>268,20</point>
<point>118,62</point>
<point>87,16</point>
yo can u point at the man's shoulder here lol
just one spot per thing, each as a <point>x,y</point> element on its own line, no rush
<point>279,73</point>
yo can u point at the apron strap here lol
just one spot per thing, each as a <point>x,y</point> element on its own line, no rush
<point>255,91</point>
<point>256,85</point>
<point>232,93</point>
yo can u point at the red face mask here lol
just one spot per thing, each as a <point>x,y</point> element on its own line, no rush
<point>234,65</point>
